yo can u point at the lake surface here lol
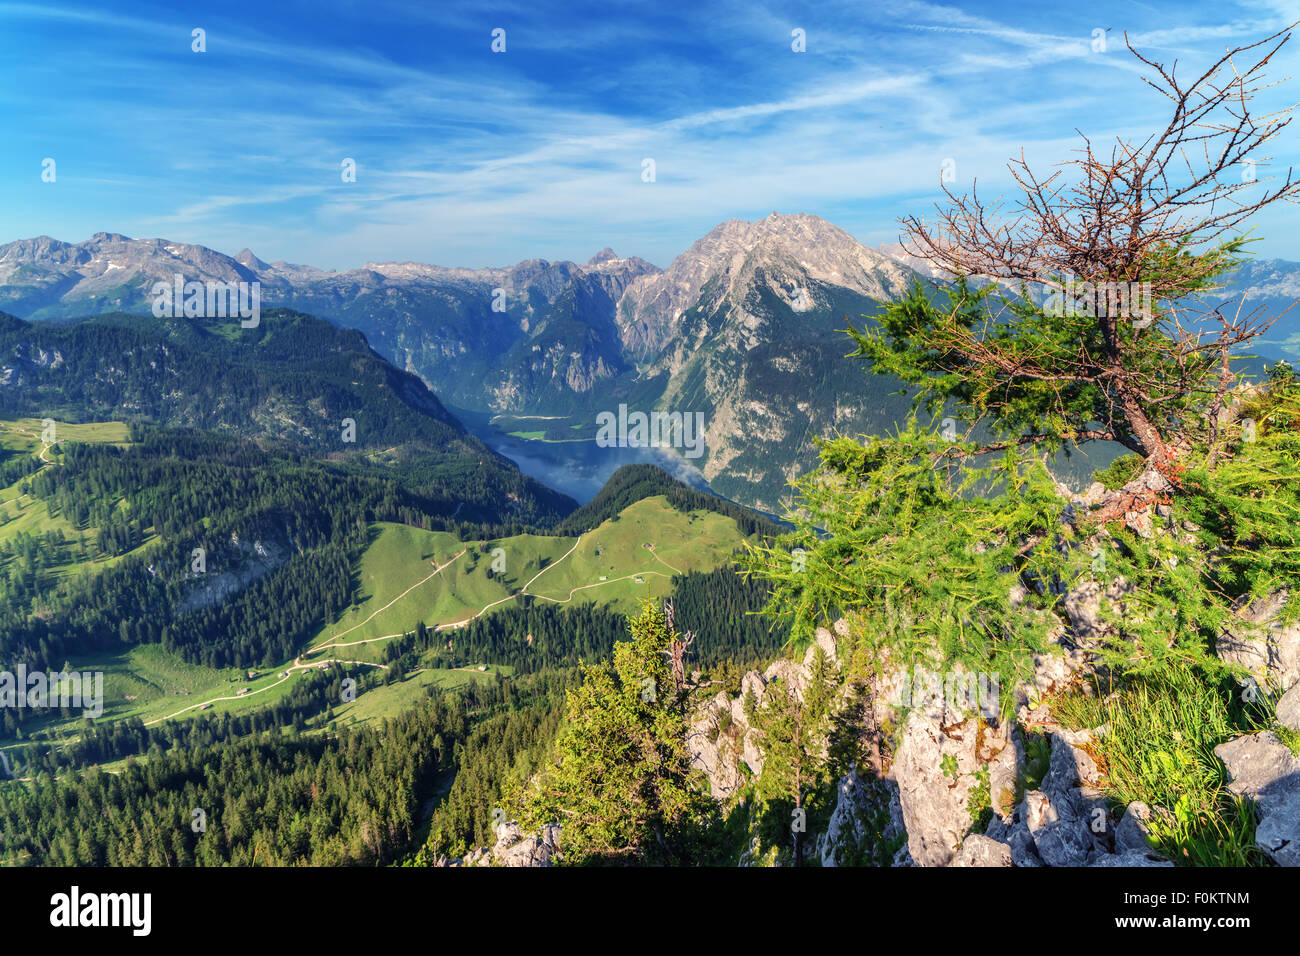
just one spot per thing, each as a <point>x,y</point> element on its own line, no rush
<point>577,468</point>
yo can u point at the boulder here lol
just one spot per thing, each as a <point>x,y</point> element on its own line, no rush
<point>1095,495</point>
<point>1288,708</point>
<point>1140,523</point>
<point>1067,818</point>
<point>1066,822</point>
<point>938,768</point>
<point>1134,830</point>
<point>1089,605</point>
<point>789,673</point>
<point>1060,836</point>
<point>844,828</point>
<point>1261,644</point>
<point>1070,765</point>
<point>738,718</point>
<point>1054,671</point>
<point>1278,834</point>
<point>1130,858</point>
<point>713,752</point>
<point>867,817</point>
<point>752,680</point>
<point>978,850</point>
<point>826,641</point>
<point>1263,768</point>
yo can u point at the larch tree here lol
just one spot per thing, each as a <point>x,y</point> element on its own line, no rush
<point>1131,246</point>
<point>1084,313</point>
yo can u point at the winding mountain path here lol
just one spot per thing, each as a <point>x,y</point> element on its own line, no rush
<point>296,666</point>
<point>436,571</point>
<point>509,597</point>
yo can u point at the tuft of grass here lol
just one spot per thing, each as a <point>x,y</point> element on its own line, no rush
<point>1158,748</point>
<point>1288,736</point>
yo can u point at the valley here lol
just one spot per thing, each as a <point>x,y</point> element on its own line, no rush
<point>405,577</point>
<point>746,327</point>
<point>562,453</point>
<point>381,518</point>
<point>256,589</point>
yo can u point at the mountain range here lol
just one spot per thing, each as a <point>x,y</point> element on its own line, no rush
<point>745,326</point>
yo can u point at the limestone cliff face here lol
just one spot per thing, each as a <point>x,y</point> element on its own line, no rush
<point>936,773</point>
<point>944,783</point>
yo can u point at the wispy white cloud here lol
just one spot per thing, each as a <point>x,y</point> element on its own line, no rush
<point>467,158</point>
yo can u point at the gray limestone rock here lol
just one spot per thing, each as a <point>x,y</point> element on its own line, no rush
<point>1261,644</point>
<point>978,850</point>
<point>1263,768</point>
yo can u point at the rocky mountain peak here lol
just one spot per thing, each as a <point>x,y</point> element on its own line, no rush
<point>41,250</point>
<point>248,260</point>
<point>605,255</point>
<point>799,246</point>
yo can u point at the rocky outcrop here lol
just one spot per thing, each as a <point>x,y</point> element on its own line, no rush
<point>716,745</point>
<point>239,563</point>
<point>952,783</point>
<point>1262,644</point>
<point>1133,835</point>
<point>1288,708</point>
<point>950,777</point>
<point>866,822</point>
<point>1092,612</point>
<point>1066,823</point>
<point>978,850</point>
<point>514,847</point>
<point>720,740</point>
<point>1264,769</point>
<point>949,768</point>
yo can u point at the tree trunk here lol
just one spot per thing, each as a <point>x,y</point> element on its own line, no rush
<point>798,834</point>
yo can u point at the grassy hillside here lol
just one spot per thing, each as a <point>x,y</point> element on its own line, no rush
<point>632,483</point>
<point>42,545</point>
<point>294,381</point>
<point>408,576</point>
<point>400,583</point>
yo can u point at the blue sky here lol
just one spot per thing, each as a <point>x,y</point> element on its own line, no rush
<point>467,157</point>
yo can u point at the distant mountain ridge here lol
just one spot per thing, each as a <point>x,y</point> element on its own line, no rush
<point>746,326</point>
<point>294,381</point>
